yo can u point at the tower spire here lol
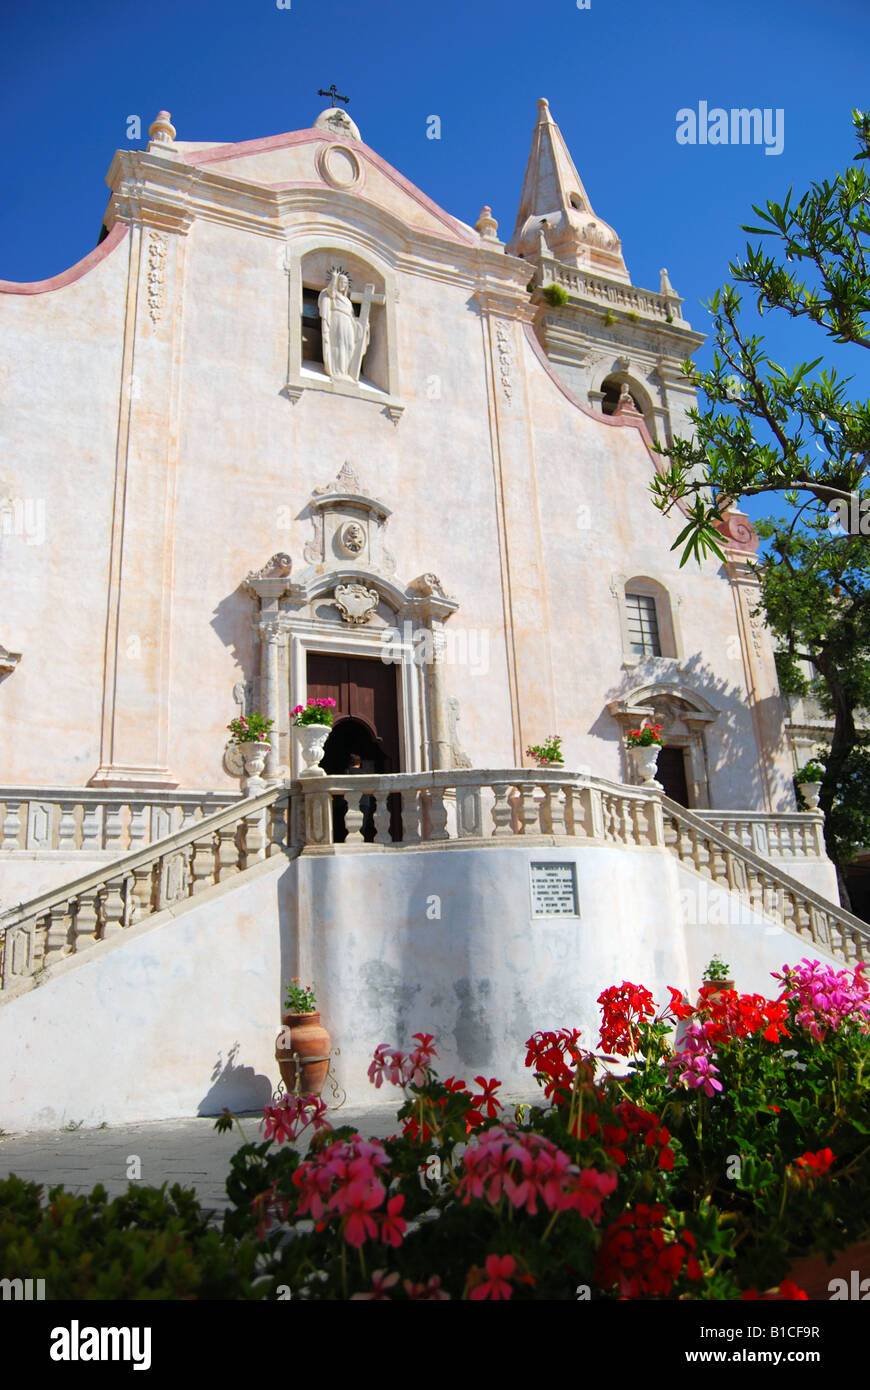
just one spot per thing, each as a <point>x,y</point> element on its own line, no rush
<point>555,206</point>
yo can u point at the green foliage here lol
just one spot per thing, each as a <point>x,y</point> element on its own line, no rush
<point>608,319</point>
<point>149,1244</point>
<point>300,998</point>
<point>253,729</point>
<point>760,431</point>
<point>555,294</point>
<point>810,772</point>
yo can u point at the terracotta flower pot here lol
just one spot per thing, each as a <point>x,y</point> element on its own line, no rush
<point>304,1036</point>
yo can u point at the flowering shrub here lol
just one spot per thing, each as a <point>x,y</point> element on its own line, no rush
<point>300,998</point>
<point>548,753</point>
<point>657,1168</point>
<point>253,729</point>
<point>314,712</point>
<point>645,737</point>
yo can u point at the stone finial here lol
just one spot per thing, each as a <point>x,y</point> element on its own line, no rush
<point>667,288</point>
<point>161,131</point>
<point>486,224</point>
<point>337,122</point>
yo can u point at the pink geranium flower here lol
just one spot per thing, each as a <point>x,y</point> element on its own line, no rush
<point>499,1269</point>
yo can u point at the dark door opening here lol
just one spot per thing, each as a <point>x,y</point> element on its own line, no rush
<point>672,775</point>
<point>366,723</point>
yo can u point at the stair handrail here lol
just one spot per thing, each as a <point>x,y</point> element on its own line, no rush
<point>126,863</point>
<point>771,871</point>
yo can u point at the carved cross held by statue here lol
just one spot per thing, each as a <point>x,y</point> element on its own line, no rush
<point>364,312</point>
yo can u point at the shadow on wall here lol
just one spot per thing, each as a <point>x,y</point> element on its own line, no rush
<point>730,741</point>
<point>234,1087</point>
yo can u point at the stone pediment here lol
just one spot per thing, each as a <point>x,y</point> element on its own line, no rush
<point>329,161</point>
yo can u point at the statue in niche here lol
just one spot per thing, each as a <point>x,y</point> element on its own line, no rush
<point>345,337</point>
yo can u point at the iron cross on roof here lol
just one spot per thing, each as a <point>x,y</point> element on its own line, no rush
<point>333,94</point>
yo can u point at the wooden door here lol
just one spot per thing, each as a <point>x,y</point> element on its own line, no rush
<point>363,688</point>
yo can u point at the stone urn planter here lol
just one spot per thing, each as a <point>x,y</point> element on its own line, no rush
<point>312,740</point>
<point>646,763</point>
<point>810,793</point>
<point>254,762</point>
<point>302,1049</point>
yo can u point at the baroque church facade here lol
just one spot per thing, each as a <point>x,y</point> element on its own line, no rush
<point>290,410</point>
<point>293,431</point>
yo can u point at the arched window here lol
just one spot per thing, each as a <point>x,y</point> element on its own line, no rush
<point>647,619</point>
<point>643,625</point>
<point>611,390</point>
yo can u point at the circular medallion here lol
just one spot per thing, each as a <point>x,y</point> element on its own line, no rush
<point>339,166</point>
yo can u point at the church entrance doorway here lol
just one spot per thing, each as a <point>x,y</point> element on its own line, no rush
<point>365,732</point>
<point>366,719</point>
<point>671,772</point>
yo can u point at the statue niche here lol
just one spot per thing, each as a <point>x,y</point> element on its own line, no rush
<point>345,337</point>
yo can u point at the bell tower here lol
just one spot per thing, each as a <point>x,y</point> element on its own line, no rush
<point>616,347</point>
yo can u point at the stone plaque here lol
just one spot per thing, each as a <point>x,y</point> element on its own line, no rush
<point>554,890</point>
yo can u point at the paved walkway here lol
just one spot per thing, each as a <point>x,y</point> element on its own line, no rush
<point>189,1152</point>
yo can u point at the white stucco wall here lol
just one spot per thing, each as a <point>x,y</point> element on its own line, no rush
<point>180,1015</point>
<point>152,424</point>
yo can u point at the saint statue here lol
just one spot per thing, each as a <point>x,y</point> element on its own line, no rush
<point>345,337</point>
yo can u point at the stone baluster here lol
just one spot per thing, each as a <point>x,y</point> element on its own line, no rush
<point>593,813</point>
<point>382,820</point>
<point>92,835</point>
<point>436,814</point>
<point>142,892</point>
<point>227,851</point>
<point>113,828</point>
<point>277,827</point>
<point>138,827</point>
<point>527,809</point>
<point>254,837</point>
<point>411,826</point>
<point>572,814</point>
<point>202,865</point>
<point>11,825</point>
<point>353,821</point>
<point>188,815</point>
<point>555,810</point>
<point>67,837</point>
<point>788,911</point>
<point>502,811</point>
<point>57,933</point>
<point>86,926</point>
<point>115,905</point>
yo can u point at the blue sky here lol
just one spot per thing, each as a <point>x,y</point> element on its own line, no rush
<point>615,75</point>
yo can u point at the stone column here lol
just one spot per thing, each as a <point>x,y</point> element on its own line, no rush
<point>439,736</point>
<point>271,636</point>
<point>269,585</point>
<point>429,608</point>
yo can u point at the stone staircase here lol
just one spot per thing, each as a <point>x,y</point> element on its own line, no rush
<point>463,809</point>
